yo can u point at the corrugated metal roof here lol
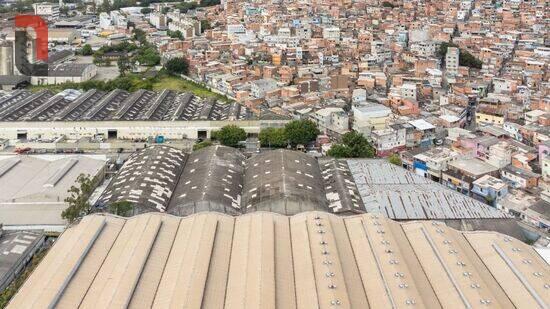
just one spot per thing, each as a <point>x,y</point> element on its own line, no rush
<point>211,181</point>
<point>265,260</point>
<point>399,194</point>
<point>165,105</point>
<point>283,181</point>
<point>147,179</point>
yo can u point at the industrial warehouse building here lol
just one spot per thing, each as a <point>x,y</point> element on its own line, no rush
<point>220,178</point>
<point>119,114</point>
<point>33,188</point>
<point>265,260</point>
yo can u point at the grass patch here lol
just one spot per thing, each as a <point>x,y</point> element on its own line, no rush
<point>180,84</point>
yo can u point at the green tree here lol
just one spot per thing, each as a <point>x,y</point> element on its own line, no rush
<point>301,132</point>
<point>395,159</point>
<point>124,65</point>
<point>86,50</point>
<point>205,25</point>
<point>205,3</point>
<point>360,147</point>
<point>148,56</point>
<point>105,6</point>
<point>78,201</point>
<point>140,36</point>
<point>354,145</point>
<point>202,145</point>
<point>175,34</point>
<point>176,66</point>
<point>230,135</point>
<point>273,137</point>
<point>121,208</point>
<point>339,151</point>
<point>145,11</point>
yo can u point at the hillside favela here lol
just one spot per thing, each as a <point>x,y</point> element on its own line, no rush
<point>274,154</point>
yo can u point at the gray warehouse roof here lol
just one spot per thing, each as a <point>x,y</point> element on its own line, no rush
<point>219,178</point>
<point>147,179</point>
<point>68,69</point>
<point>340,188</point>
<point>211,181</point>
<point>16,249</point>
<point>283,181</point>
<point>33,187</point>
<point>46,179</point>
<point>400,194</point>
<point>96,105</point>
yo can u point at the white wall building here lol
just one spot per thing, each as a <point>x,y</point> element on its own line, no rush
<point>332,120</point>
<point>451,60</point>
<point>331,33</point>
<point>158,20</point>
<point>46,9</point>
<point>105,21</point>
<point>259,88</point>
<point>236,29</point>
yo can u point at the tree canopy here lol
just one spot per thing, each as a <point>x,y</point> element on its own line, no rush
<point>124,65</point>
<point>202,145</point>
<point>148,56</point>
<point>176,66</point>
<point>86,50</point>
<point>273,137</point>
<point>205,25</point>
<point>78,200</point>
<point>175,34</point>
<point>301,132</point>
<point>230,135</point>
<point>395,159</point>
<point>354,145</point>
<point>121,208</point>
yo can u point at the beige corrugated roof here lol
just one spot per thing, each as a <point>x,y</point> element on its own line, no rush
<point>264,260</point>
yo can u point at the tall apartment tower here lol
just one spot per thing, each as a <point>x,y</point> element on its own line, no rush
<point>451,60</point>
<point>6,59</point>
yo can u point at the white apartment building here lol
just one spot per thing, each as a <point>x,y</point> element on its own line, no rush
<point>408,91</point>
<point>188,27</point>
<point>451,60</point>
<point>424,48</point>
<point>331,33</point>
<point>105,21</point>
<point>379,51</point>
<point>304,32</point>
<point>236,29</point>
<point>46,9</point>
<point>118,19</point>
<point>369,117</point>
<point>388,140</point>
<point>158,20</point>
<point>259,88</point>
<point>332,120</point>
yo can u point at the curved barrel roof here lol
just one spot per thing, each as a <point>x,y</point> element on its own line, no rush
<point>211,181</point>
<point>147,179</point>
<point>283,181</point>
